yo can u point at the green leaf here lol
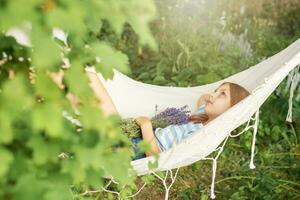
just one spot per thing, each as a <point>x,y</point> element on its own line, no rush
<point>43,151</point>
<point>70,17</point>
<point>48,116</point>
<point>92,118</point>
<point>58,187</point>
<point>110,58</point>
<point>146,10</point>
<point>90,156</point>
<point>153,165</point>
<point>29,187</point>
<point>59,192</point>
<point>46,53</point>
<point>144,146</point>
<point>45,87</point>
<point>15,96</point>
<point>148,178</point>
<point>115,11</point>
<point>89,138</point>
<point>75,168</point>
<point>20,165</point>
<point>143,75</point>
<point>21,13</point>
<point>204,196</point>
<point>6,160</point>
<point>78,82</point>
<point>6,131</point>
<point>14,99</point>
<point>159,80</point>
<point>94,177</point>
<point>118,164</point>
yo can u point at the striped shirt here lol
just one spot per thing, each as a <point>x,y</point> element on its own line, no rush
<point>174,132</point>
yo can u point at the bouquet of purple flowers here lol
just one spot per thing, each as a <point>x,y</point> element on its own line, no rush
<point>163,119</point>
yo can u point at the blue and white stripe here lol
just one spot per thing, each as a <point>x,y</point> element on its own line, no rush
<point>166,137</point>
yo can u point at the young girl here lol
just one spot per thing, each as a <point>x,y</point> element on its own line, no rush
<point>209,107</point>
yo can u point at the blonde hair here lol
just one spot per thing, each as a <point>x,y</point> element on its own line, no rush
<point>237,93</point>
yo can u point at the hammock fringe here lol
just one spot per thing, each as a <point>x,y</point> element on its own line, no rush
<point>214,168</point>
<point>111,191</point>
<point>173,178</point>
<point>255,127</point>
<point>293,81</point>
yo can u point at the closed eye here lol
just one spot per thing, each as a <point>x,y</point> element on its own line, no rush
<point>223,93</point>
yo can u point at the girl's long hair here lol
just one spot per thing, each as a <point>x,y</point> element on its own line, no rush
<point>237,93</point>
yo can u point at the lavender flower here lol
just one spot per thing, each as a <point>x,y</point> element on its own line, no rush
<point>163,119</point>
<point>174,115</point>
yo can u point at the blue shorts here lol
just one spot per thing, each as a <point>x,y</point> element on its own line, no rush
<point>137,153</point>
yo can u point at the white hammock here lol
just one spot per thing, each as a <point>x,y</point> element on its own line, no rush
<point>133,98</point>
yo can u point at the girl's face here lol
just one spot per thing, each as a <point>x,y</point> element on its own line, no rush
<point>219,101</point>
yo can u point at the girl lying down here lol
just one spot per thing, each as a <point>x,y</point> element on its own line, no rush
<point>209,106</point>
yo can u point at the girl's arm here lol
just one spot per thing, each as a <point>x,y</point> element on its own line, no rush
<point>106,102</point>
<point>148,135</point>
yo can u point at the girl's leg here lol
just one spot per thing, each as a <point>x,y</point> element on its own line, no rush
<point>106,102</point>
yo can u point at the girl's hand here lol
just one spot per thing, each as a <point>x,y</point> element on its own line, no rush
<point>142,120</point>
<point>203,99</point>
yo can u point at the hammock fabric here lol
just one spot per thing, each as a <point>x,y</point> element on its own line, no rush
<point>261,80</point>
